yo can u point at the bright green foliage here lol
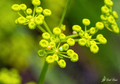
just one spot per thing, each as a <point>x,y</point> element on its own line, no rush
<point>54,51</point>
<point>108,20</point>
<point>86,36</point>
<point>9,76</point>
<point>109,16</point>
<point>55,45</point>
<point>33,17</point>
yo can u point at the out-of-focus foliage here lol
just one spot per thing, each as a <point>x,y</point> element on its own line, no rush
<point>16,44</point>
<point>9,76</point>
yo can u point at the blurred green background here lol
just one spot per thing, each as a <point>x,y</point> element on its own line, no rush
<point>19,45</point>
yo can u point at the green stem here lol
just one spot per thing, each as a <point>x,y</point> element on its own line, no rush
<point>63,52</point>
<point>64,12</point>
<point>107,26</point>
<point>34,10</point>
<point>63,40</point>
<point>19,14</point>
<point>58,45</point>
<point>71,36</point>
<point>43,73</point>
<point>94,33</point>
<point>47,28</point>
<point>85,29</point>
<point>109,29</point>
<point>94,39</point>
<point>41,28</point>
<point>76,40</point>
<point>25,13</point>
<point>63,55</point>
<point>50,52</point>
<point>97,43</point>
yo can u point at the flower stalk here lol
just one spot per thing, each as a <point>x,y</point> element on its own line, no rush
<point>43,73</point>
<point>64,13</point>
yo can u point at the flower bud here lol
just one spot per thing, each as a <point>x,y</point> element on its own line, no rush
<point>62,63</point>
<point>36,2</point>
<point>99,25</point>
<point>50,59</point>
<point>39,10</point>
<point>71,41</point>
<point>41,53</point>
<point>31,25</point>
<point>56,31</point>
<point>94,48</point>
<point>74,57</point>
<point>15,7</point>
<point>86,22</point>
<point>92,30</point>
<point>29,11</point>
<point>43,43</point>
<point>47,12</point>
<point>76,28</point>
<point>62,36</point>
<point>65,47</point>
<point>82,42</point>
<point>23,7</point>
